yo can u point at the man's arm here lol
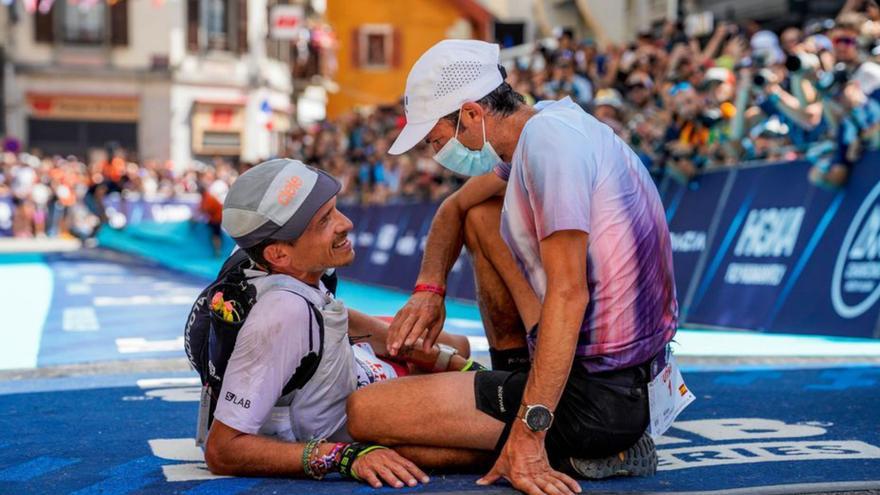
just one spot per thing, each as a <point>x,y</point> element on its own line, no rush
<point>523,461</point>
<point>376,333</point>
<point>234,453</point>
<point>424,313</point>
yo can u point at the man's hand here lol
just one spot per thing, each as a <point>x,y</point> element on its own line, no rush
<point>388,466</point>
<point>421,317</point>
<point>523,462</point>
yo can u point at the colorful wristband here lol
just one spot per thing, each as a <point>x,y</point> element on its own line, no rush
<point>436,289</point>
<point>351,453</point>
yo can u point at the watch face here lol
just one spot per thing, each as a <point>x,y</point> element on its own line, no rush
<point>538,418</point>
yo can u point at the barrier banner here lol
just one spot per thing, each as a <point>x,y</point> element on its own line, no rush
<point>771,264</point>
<point>161,211</point>
<point>689,212</point>
<point>837,288</point>
<point>6,210</point>
<point>389,242</point>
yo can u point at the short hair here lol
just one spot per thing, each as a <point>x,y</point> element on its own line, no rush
<point>255,252</point>
<point>502,101</point>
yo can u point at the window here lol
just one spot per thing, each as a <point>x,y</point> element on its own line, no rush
<point>376,46</point>
<point>84,23</point>
<point>217,25</point>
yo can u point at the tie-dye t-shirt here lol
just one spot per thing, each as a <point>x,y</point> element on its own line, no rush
<point>570,172</point>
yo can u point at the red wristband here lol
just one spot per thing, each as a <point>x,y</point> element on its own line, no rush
<point>436,289</point>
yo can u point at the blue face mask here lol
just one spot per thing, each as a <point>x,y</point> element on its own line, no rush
<point>462,160</point>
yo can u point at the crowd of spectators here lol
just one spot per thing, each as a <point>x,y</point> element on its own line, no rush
<point>67,197</point>
<point>683,103</point>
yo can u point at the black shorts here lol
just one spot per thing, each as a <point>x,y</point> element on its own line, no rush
<point>599,414</point>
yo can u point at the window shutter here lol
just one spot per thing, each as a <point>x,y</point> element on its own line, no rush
<point>44,24</point>
<point>242,44</point>
<point>192,25</point>
<point>396,48</point>
<point>119,23</point>
<point>355,47</point>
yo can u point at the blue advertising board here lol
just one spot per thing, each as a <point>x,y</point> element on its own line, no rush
<point>389,242</point>
<point>792,257</point>
<point>838,272</point>
<point>689,214</point>
<point>6,210</point>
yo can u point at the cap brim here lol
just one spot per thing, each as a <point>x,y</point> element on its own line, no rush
<point>410,136</point>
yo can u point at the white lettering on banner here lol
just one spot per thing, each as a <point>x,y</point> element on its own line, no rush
<point>365,239</point>
<point>406,245</point>
<point>754,274</point>
<point>867,244</point>
<point>171,213</point>
<point>5,216</point>
<point>379,258</point>
<point>688,242</point>
<point>747,429</point>
<point>857,271</point>
<point>745,453</point>
<point>385,238</point>
<point>770,232</point>
<point>169,389</point>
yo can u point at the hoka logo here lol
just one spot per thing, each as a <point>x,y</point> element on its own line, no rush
<point>770,232</point>
<point>855,284</point>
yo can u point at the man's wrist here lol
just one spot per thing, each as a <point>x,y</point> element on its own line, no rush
<point>440,290</point>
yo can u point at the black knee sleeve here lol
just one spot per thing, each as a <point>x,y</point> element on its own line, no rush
<point>510,359</point>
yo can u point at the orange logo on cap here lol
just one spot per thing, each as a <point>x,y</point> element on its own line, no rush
<point>291,187</point>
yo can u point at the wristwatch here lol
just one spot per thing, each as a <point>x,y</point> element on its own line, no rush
<point>537,417</point>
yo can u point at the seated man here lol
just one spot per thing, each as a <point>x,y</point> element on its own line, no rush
<point>283,215</point>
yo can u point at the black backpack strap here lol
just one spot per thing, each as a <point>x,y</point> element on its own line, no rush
<point>309,364</point>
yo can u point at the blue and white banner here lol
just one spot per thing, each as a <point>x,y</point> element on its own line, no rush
<point>389,242</point>
<point>6,211</point>
<point>792,257</point>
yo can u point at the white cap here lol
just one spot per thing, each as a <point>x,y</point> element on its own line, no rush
<point>449,74</point>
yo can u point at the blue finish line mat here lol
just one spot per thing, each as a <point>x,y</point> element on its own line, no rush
<point>750,431</point>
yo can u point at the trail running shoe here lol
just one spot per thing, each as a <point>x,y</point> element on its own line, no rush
<point>638,460</point>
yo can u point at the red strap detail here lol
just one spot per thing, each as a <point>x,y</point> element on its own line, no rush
<point>436,289</point>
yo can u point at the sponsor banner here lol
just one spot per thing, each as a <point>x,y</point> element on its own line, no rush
<point>689,213</point>
<point>121,213</point>
<point>765,225</point>
<point>389,242</point>
<point>6,210</point>
<point>838,287</point>
<point>790,257</point>
<point>162,211</point>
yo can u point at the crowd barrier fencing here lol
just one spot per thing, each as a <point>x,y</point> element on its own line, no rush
<point>755,247</point>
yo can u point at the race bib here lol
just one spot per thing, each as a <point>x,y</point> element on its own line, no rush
<point>667,398</point>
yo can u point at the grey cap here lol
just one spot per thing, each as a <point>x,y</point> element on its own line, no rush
<point>275,200</point>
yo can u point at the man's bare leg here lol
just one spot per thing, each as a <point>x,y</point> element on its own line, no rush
<point>447,459</point>
<point>436,410</point>
<point>508,306</point>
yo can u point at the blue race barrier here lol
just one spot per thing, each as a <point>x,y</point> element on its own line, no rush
<point>389,242</point>
<point>6,209</point>
<point>790,257</point>
<point>755,247</point>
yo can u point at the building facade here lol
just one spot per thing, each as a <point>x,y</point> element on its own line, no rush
<point>168,80</point>
<point>380,40</point>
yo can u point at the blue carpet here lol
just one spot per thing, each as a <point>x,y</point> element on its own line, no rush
<point>746,430</point>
